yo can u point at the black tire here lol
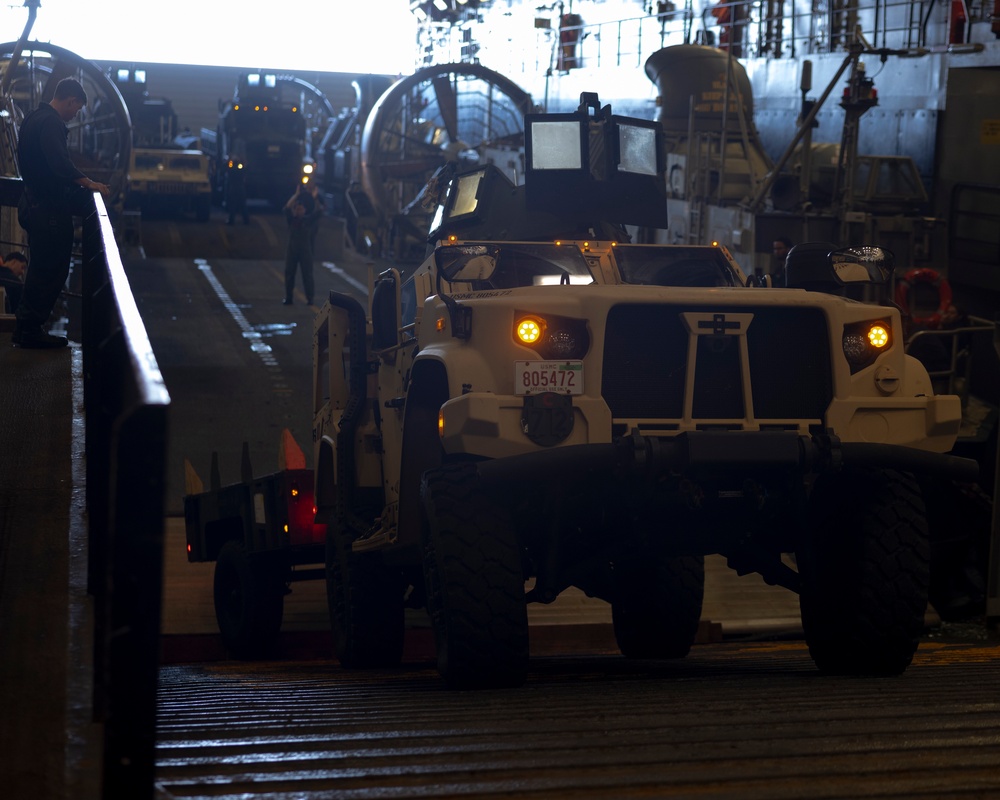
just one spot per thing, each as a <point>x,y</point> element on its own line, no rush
<point>656,608</point>
<point>865,572</point>
<point>249,602</point>
<point>365,598</point>
<point>474,581</point>
<point>958,517</point>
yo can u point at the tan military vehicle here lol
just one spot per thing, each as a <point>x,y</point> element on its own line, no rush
<point>169,181</point>
<point>547,402</point>
<point>543,404</point>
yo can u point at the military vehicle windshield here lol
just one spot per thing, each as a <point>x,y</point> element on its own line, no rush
<point>191,163</point>
<point>146,161</point>
<point>674,266</point>
<point>513,265</point>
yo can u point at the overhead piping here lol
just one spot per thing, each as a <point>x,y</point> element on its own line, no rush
<point>8,75</point>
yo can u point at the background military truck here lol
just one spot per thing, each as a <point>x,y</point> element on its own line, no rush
<point>164,180</point>
<point>543,405</point>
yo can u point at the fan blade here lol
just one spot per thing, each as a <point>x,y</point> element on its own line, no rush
<point>447,102</point>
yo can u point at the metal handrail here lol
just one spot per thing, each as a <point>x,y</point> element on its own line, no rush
<point>959,369</point>
<point>125,403</point>
<point>790,31</point>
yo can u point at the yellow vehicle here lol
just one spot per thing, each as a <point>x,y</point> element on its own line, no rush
<point>166,181</point>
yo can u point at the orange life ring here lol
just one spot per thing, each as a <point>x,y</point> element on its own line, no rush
<point>913,279</point>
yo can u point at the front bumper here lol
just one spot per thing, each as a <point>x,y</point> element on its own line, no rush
<point>703,453</point>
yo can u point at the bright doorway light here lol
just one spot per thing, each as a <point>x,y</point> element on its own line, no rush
<point>373,36</point>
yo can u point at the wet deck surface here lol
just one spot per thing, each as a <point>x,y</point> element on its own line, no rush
<point>752,720</point>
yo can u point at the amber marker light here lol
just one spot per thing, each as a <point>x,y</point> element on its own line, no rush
<point>295,492</point>
<point>864,341</point>
<point>439,324</point>
<point>878,336</point>
<point>441,424</point>
<point>529,330</point>
<point>286,527</point>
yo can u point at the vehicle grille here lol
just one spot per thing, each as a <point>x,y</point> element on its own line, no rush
<point>645,364</point>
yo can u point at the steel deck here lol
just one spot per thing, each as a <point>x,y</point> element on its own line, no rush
<point>751,720</point>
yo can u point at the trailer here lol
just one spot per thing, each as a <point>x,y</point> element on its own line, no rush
<point>261,534</point>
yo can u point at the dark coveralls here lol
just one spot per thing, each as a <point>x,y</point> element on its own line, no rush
<point>45,212</point>
<point>299,252</point>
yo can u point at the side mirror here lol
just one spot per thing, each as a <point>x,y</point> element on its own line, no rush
<point>477,268</point>
<point>385,312</point>
<point>823,267</point>
<point>862,265</point>
<point>466,262</point>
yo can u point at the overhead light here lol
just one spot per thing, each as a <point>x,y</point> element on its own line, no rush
<point>441,5</point>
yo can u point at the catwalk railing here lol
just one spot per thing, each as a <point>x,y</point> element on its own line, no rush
<point>747,28</point>
<point>126,405</point>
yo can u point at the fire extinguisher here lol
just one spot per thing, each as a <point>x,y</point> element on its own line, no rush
<point>995,26</point>
<point>957,21</point>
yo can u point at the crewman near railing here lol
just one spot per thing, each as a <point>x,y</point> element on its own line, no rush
<point>54,192</point>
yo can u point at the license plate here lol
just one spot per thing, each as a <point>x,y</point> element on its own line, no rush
<point>536,377</point>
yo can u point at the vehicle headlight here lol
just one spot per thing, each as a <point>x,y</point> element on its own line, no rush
<point>864,341</point>
<point>554,338</point>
